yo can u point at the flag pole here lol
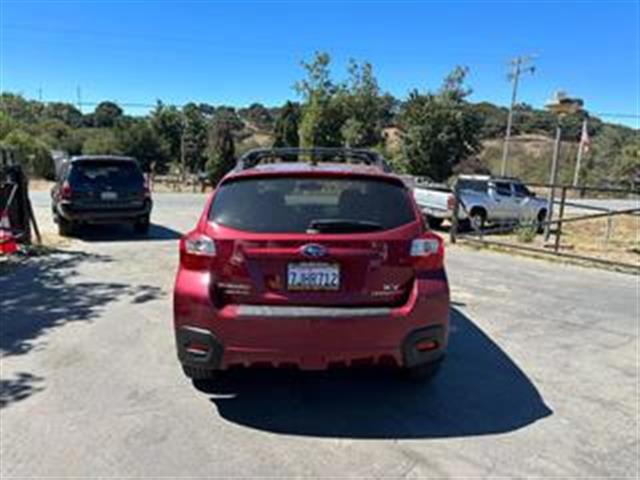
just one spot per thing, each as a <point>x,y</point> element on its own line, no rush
<point>583,137</point>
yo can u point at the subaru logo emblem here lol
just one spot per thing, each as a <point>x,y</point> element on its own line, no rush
<point>314,250</point>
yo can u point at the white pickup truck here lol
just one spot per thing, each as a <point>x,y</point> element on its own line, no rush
<point>483,199</point>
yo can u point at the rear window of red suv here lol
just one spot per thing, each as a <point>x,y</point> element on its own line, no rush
<point>311,205</point>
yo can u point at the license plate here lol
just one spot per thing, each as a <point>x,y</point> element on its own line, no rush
<point>109,196</point>
<point>313,276</point>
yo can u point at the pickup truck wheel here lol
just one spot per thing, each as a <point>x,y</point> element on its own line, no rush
<point>434,222</point>
<point>477,219</point>
<point>142,226</point>
<point>65,227</point>
<point>542,216</point>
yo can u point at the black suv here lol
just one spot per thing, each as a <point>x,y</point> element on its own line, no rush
<point>100,189</point>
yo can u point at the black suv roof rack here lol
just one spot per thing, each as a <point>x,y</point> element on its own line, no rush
<point>318,154</point>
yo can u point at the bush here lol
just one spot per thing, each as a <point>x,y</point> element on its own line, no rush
<point>526,233</point>
<point>32,153</point>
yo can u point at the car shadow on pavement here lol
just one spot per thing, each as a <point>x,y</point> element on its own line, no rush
<point>478,391</point>
<point>117,233</point>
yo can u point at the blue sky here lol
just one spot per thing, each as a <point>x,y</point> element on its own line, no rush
<point>245,51</point>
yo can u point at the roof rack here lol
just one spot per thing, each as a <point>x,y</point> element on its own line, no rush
<point>318,154</point>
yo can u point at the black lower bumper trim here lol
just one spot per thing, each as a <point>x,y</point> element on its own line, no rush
<point>413,356</point>
<point>104,215</point>
<point>187,337</point>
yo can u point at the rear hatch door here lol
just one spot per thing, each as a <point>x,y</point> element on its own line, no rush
<point>106,184</point>
<point>313,240</point>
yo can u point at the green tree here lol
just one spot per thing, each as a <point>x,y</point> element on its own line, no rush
<point>285,130</point>
<point>195,137</point>
<point>493,118</point>
<point>7,124</point>
<point>106,114</point>
<point>364,107</point>
<point>64,112</point>
<point>140,141</point>
<point>34,155</point>
<point>439,130</point>
<point>166,121</point>
<point>258,115</point>
<point>221,151</point>
<point>102,142</point>
<point>322,113</point>
<point>18,108</point>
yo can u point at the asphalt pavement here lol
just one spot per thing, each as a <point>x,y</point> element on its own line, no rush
<point>541,379</point>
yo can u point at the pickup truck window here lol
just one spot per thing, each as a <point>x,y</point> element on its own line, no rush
<point>475,185</point>
<point>521,190</point>
<point>503,188</point>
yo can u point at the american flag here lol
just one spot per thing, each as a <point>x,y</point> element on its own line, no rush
<point>585,141</point>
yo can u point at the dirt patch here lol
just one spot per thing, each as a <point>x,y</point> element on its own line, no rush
<point>616,240</point>
<point>40,185</point>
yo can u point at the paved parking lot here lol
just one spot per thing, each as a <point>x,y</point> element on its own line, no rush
<point>541,379</point>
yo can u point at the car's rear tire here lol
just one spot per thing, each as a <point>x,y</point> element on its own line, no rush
<point>434,222</point>
<point>422,373</point>
<point>65,227</point>
<point>198,373</point>
<point>542,217</point>
<point>142,226</point>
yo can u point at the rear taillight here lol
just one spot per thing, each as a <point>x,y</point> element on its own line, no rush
<point>147,189</point>
<point>428,252</point>
<point>451,202</point>
<point>66,192</point>
<point>197,251</point>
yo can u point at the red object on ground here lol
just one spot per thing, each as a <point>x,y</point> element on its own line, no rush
<point>311,266</point>
<point>8,243</point>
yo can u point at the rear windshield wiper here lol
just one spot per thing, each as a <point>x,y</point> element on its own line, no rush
<point>342,225</point>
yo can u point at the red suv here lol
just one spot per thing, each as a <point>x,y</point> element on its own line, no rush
<point>313,265</point>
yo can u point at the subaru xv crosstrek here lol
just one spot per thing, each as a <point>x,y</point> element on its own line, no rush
<point>315,264</point>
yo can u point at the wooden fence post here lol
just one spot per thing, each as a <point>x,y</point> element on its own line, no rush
<point>563,198</point>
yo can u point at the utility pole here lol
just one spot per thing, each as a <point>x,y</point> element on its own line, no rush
<point>519,66</point>
<point>583,139</point>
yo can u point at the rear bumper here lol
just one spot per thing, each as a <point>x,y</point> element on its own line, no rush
<point>103,215</point>
<point>442,213</point>
<point>309,338</point>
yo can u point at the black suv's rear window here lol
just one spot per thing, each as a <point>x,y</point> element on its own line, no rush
<point>115,173</point>
<point>311,204</point>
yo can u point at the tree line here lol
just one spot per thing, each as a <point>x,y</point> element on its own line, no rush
<point>433,133</point>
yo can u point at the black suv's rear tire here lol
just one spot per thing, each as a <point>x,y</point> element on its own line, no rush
<point>198,373</point>
<point>422,373</point>
<point>65,227</point>
<point>142,226</point>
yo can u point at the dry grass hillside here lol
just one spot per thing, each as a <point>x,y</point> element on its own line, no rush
<point>530,157</point>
